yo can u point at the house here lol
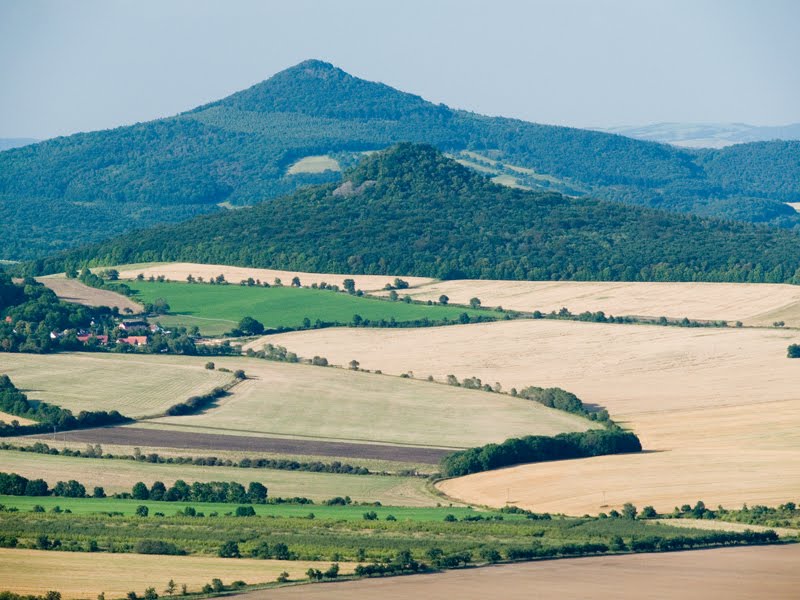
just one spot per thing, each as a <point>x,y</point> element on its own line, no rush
<point>133,340</point>
<point>85,337</point>
<point>130,325</point>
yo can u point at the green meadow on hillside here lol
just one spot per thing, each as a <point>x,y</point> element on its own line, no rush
<point>216,309</point>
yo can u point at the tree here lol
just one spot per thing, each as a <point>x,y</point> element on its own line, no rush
<point>283,577</point>
<point>349,286</point>
<point>332,572</point>
<point>629,511</point>
<point>150,594</point>
<point>171,587</point>
<point>393,296</point>
<point>210,366</point>
<point>257,492</point>
<point>229,549</point>
<point>793,351</point>
<point>245,511</point>
<point>295,281</point>
<point>475,302</point>
<point>648,512</point>
<point>239,374</point>
<point>99,492</point>
<point>142,511</point>
<point>158,491</point>
<point>160,306</point>
<point>443,300</point>
<point>354,364</point>
<point>250,326</point>
<point>217,584</point>
<point>140,491</point>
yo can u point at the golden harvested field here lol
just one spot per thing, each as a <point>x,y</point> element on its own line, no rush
<point>753,304</point>
<point>336,404</point>
<point>314,164</point>
<point>717,409</point>
<point>120,475</point>
<point>72,290</point>
<point>84,575</point>
<point>179,272</point>
<point>8,418</point>
<point>135,385</point>
<point>729,573</point>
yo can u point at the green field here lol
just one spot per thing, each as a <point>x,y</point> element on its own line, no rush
<point>135,385</point>
<point>216,309</point>
<point>88,506</point>
<point>117,475</point>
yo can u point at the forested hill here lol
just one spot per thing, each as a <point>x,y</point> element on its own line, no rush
<point>410,210</point>
<point>72,190</point>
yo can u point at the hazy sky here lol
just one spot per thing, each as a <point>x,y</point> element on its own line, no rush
<point>68,66</point>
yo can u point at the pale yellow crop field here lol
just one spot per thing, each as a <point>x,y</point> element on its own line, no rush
<point>718,409</point>
<point>84,575</point>
<point>753,304</point>
<point>314,164</point>
<point>120,475</point>
<point>336,404</point>
<point>135,385</point>
<point>179,272</point>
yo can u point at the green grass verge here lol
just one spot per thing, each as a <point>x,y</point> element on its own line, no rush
<point>88,506</point>
<point>218,308</point>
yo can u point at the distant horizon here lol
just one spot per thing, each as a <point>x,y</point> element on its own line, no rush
<point>69,67</point>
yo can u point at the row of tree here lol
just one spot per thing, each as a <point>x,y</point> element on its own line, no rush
<point>537,448</point>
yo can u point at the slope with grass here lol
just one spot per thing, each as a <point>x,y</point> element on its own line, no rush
<point>219,308</point>
<point>412,210</point>
<point>316,403</point>
<point>120,475</point>
<point>241,149</point>
<point>136,386</point>
<point>716,409</point>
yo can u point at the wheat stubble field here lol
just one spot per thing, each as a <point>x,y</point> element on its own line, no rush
<point>753,304</point>
<point>180,271</point>
<point>84,575</point>
<point>716,409</point>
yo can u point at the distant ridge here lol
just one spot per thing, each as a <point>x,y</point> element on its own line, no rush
<point>9,143</point>
<point>410,210</point>
<point>708,135</point>
<point>238,151</point>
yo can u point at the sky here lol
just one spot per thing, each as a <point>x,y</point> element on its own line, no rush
<point>69,66</point>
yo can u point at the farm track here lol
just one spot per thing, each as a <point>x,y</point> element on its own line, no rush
<point>210,441</point>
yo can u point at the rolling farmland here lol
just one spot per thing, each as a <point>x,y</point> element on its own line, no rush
<point>178,271</point>
<point>751,303</point>
<point>119,475</point>
<point>219,308</point>
<point>82,575</point>
<point>692,396</point>
<point>135,385</point>
<point>731,573</point>
<point>335,404</point>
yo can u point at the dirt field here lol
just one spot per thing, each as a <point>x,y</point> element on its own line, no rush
<point>343,405</point>
<point>179,272</point>
<point>730,573</point>
<point>753,304</point>
<point>84,575</point>
<point>72,290</point>
<point>176,437</point>
<point>120,475</point>
<point>716,408</point>
<point>134,385</point>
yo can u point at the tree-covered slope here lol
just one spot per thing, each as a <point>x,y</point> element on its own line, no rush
<point>72,190</point>
<point>410,210</point>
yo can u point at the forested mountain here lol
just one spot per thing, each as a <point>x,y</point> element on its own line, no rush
<point>237,151</point>
<point>410,210</point>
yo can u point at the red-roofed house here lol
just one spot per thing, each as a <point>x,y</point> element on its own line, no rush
<point>133,340</point>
